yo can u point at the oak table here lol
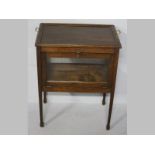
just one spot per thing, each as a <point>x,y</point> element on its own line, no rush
<point>94,50</point>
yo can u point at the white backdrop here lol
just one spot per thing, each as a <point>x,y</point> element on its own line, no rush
<point>121,83</point>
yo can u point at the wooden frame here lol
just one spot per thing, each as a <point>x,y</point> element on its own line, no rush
<point>68,41</point>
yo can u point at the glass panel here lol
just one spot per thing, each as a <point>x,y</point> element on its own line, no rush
<point>78,70</point>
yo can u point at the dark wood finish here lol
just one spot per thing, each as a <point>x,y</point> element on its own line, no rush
<point>79,35</point>
<point>45,97</point>
<point>104,97</point>
<point>77,54</point>
<point>115,63</point>
<point>75,73</point>
<point>39,64</point>
<point>78,41</point>
<point>76,87</point>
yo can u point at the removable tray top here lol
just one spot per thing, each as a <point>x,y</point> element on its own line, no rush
<point>77,35</point>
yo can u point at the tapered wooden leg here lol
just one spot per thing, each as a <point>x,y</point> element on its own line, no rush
<point>45,97</point>
<point>104,96</point>
<point>41,109</point>
<point>110,110</point>
<point>115,63</point>
<point>44,73</point>
<point>39,66</point>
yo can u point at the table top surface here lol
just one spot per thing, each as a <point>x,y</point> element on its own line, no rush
<point>80,35</point>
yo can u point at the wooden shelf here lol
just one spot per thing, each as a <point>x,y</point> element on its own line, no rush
<point>77,73</point>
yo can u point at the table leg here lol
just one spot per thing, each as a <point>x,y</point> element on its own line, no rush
<point>39,66</point>
<point>44,73</point>
<point>41,109</point>
<point>115,63</point>
<point>45,97</point>
<point>110,110</point>
<point>103,100</point>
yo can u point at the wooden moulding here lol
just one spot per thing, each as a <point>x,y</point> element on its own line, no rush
<point>76,87</point>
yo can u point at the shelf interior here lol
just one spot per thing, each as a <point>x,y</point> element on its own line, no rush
<point>75,72</point>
